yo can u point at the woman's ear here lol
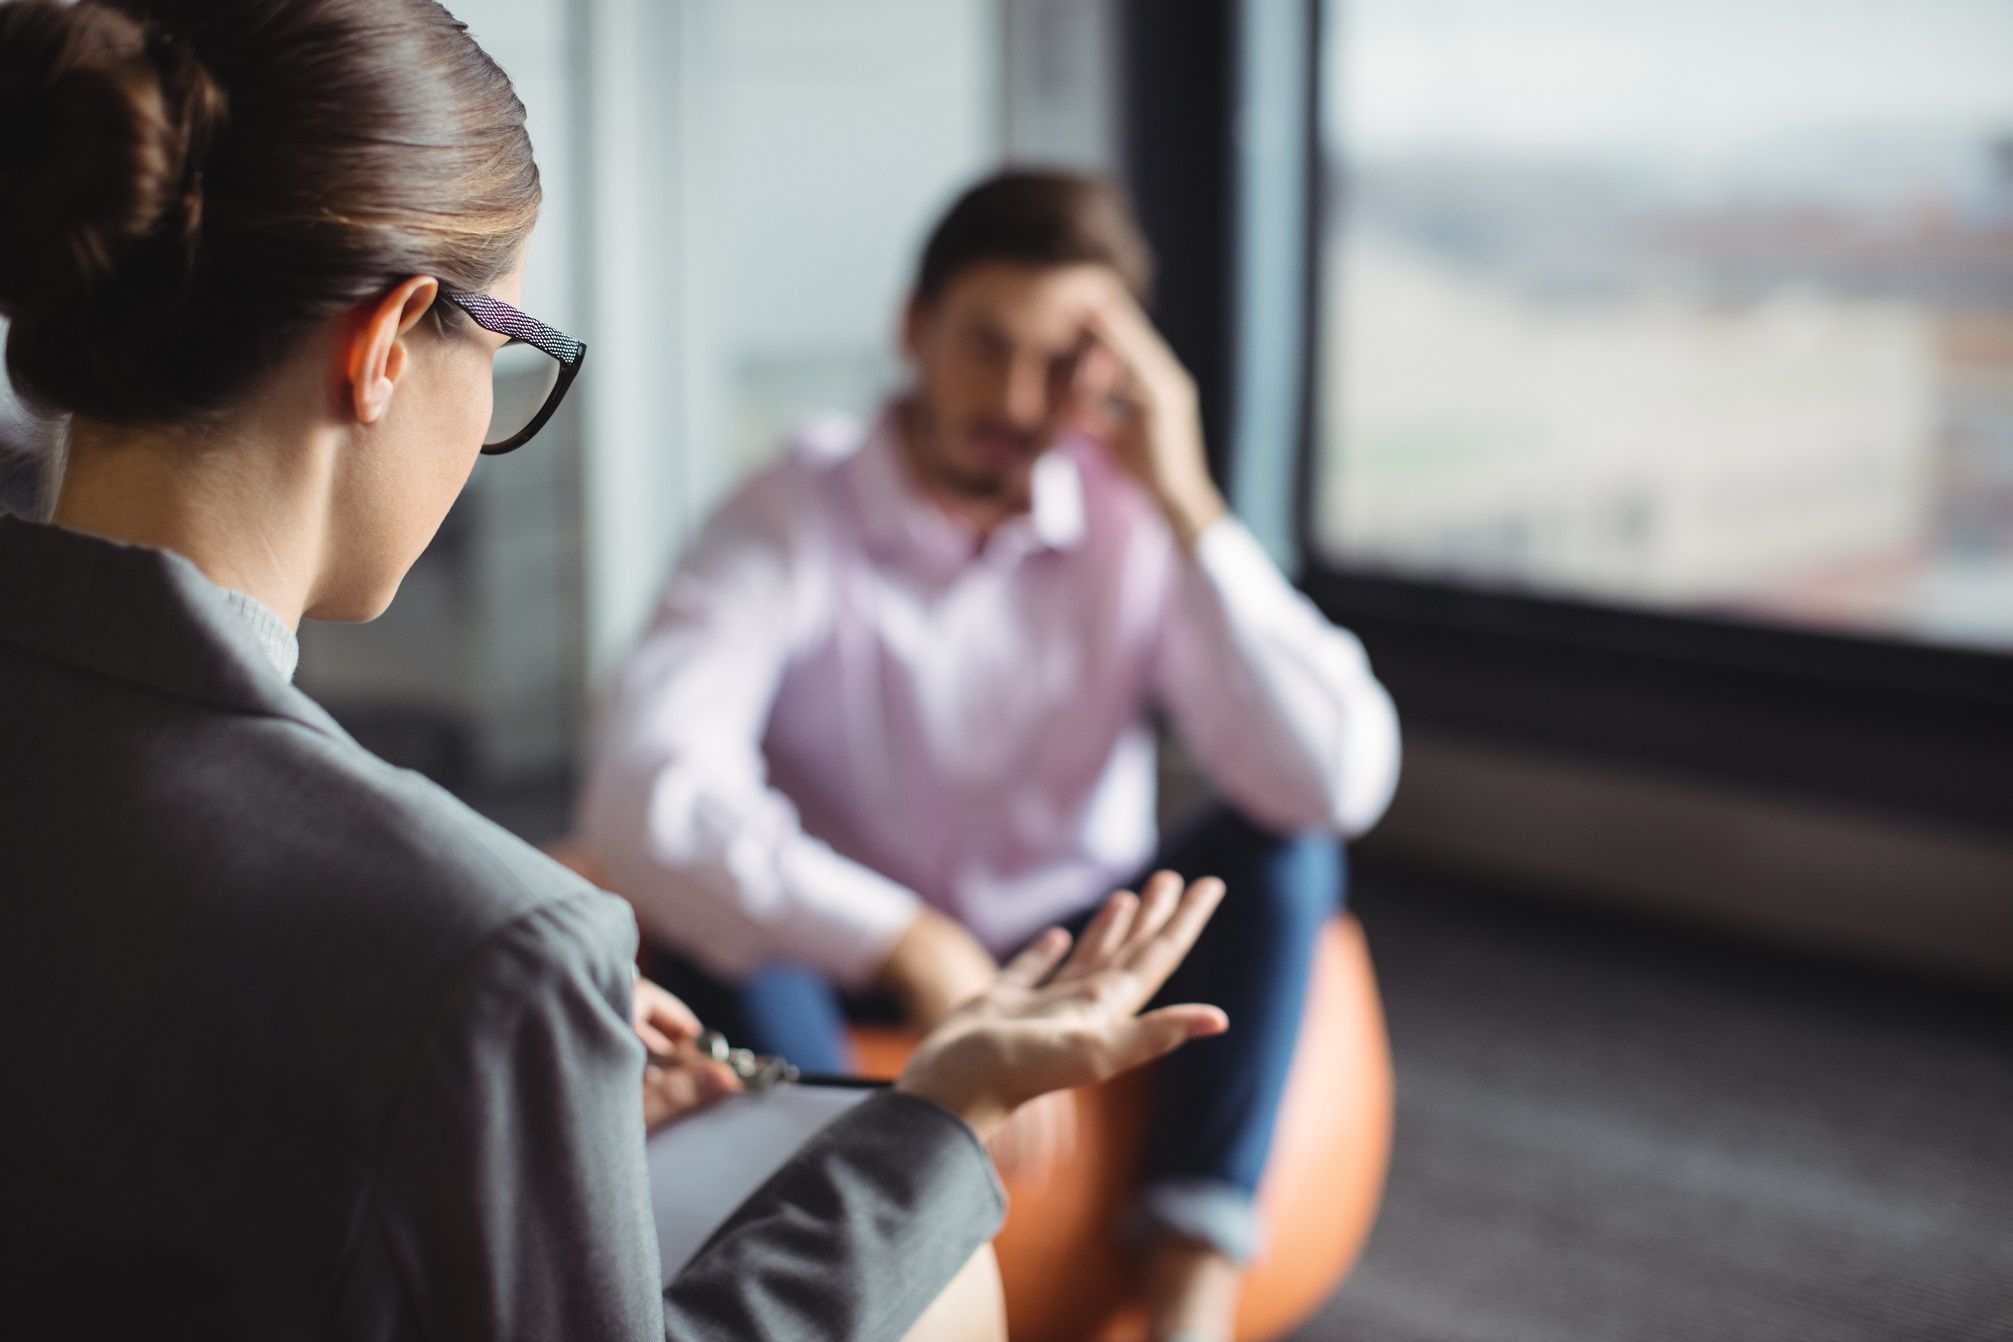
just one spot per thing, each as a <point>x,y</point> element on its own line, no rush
<point>374,356</point>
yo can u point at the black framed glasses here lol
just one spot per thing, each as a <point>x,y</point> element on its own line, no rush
<point>531,374</point>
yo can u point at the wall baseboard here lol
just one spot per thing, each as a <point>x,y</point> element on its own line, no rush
<point>1866,884</point>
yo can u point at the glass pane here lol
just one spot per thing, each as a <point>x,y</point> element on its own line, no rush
<point>523,380</point>
<point>1704,306</point>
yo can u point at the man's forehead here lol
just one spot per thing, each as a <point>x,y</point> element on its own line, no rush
<point>1048,303</point>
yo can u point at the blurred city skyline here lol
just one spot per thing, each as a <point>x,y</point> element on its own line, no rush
<point>1612,312</point>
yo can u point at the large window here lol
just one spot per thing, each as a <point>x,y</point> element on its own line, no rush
<point>1702,307</point>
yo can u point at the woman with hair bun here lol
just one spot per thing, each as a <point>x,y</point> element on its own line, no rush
<point>298,1045</point>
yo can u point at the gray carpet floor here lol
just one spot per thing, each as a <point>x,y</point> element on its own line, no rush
<point>1615,1130</point>
<point>1612,1130</point>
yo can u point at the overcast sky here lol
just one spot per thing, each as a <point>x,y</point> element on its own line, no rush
<point>1677,78</point>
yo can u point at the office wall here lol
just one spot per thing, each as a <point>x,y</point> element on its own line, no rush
<point>735,193</point>
<point>473,671</point>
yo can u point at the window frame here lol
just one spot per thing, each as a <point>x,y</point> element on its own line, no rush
<point>1916,729</point>
<point>1891,723</point>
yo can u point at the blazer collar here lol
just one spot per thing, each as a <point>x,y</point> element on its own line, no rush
<point>144,616</point>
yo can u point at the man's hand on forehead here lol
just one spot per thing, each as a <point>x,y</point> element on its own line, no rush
<point>1133,392</point>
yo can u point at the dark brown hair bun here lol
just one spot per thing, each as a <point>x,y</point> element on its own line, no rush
<point>188,186</point>
<point>99,154</point>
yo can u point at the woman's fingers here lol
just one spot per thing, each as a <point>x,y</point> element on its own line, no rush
<point>1126,981</point>
<point>1107,932</point>
<point>1134,948</point>
<point>1158,901</point>
<point>1149,958</point>
<point>1156,957</point>
<point>670,1093</point>
<point>661,1019</point>
<point>1043,954</point>
<point>656,1043</point>
<point>1077,1028</point>
<point>1144,1038</point>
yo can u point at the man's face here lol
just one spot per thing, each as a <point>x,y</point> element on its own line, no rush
<point>1003,363</point>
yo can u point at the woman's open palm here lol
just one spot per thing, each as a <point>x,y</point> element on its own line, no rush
<point>1057,1019</point>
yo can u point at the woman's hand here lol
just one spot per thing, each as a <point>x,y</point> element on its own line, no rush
<point>662,1022</point>
<point>677,1080</point>
<point>682,1087</point>
<point>1051,1024</point>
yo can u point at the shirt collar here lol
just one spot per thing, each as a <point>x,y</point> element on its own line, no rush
<point>281,645</point>
<point>1057,515</point>
<point>897,513</point>
<point>141,615</point>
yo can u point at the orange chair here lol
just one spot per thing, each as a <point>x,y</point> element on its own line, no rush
<point>1067,1276</point>
<point>1066,1273</point>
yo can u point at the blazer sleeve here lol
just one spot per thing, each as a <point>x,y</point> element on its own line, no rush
<point>854,1237</point>
<point>515,1201</point>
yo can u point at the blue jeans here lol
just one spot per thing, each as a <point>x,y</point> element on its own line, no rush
<point>1217,1099</point>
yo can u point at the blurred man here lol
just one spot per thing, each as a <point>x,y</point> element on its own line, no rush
<point>893,715</point>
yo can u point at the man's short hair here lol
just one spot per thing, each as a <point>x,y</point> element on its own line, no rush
<point>1037,218</point>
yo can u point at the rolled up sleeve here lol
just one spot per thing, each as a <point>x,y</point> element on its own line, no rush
<point>1278,704</point>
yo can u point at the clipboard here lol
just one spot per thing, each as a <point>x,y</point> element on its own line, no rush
<point>704,1166</point>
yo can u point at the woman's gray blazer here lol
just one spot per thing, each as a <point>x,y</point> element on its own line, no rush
<point>297,1046</point>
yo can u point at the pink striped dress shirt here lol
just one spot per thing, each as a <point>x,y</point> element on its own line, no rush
<point>847,705</point>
